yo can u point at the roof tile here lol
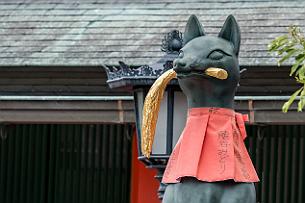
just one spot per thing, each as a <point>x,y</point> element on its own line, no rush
<point>92,32</point>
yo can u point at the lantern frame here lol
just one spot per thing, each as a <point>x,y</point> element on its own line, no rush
<point>139,80</point>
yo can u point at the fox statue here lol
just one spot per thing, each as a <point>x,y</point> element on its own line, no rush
<point>210,163</point>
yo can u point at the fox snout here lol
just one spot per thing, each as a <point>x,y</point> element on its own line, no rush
<point>183,65</point>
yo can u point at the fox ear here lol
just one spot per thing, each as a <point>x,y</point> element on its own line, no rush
<point>230,31</point>
<point>193,29</point>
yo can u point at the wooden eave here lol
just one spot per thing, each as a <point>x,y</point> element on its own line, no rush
<point>41,95</point>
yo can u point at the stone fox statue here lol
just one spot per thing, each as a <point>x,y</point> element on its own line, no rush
<point>210,162</point>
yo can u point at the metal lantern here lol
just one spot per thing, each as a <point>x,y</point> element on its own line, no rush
<point>173,110</point>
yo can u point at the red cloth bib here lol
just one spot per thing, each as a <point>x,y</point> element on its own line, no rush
<point>211,148</point>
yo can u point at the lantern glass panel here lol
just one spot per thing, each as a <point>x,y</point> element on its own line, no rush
<point>179,117</point>
<point>159,145</point>
<point>139,102</point>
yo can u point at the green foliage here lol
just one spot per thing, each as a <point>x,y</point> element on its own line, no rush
<point>292,47</point>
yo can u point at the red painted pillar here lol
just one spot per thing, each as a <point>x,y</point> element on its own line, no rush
<point>143,184</point>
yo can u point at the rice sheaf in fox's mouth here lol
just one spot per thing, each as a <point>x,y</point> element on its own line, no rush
<point>212,72</point>
<point>192,73</point>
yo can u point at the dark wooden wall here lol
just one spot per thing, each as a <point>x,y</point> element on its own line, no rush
<point>266,81</point>
<point>91,81</point>
<point>65,163</point>
<point>55,81</point>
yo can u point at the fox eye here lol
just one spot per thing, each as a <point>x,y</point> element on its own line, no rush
<point>216,55</point>
<point>181,54</point>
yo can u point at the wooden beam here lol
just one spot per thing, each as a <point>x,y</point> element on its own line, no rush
<point>260,111</point>
<point>120,111</point>
<point>270,112</point>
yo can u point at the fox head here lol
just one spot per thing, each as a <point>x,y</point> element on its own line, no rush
<point>201,52</point>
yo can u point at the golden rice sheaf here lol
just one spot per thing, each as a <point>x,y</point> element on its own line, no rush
<point>152,105</point>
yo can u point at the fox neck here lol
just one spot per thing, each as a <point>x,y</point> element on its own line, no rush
<point>209,100</point>
<point>207,93</point>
